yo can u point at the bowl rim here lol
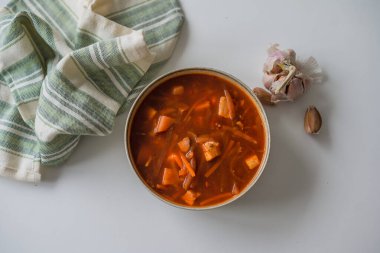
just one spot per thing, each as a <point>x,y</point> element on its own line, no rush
<point>193,70</point>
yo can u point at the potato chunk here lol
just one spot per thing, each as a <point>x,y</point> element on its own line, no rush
<point>252,162</point>
<point>184,144</point>
<point>178,90</point>
<point>163,124</point>
<point>211,149</point>
<point>170,177</point>
<point>189,197</point>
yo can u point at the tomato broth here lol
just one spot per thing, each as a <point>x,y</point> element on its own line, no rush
<point>197,140</point>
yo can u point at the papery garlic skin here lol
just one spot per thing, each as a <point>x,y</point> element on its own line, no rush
<point>286,78</point>
<point>276,57</point>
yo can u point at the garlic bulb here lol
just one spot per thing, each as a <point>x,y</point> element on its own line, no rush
<point>285,77</point>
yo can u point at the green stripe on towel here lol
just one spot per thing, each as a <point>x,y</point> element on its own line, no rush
<point>63,76</point>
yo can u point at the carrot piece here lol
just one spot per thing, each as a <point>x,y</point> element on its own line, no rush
<point>217,164</point>
<point>178,90</point>
<point>230,104</point>
<point>252,162</point>
<point>170,177</point>
<point>177,194</point>
<point>183,171</point>
<point>144,154</point>
<point>187,117</point>
<point>215,198</point>
<point>184,144</point>
<point>177,160</point>
<point>213,168</point>
<point>204,105</point>
<point>163,124</point>
<point>168,111</point>
<point>188,165</point>
<point>161,187</point>
<point>240,134</point>
<point>189,197</point>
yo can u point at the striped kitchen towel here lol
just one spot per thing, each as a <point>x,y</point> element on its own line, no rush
<point>68,67</point>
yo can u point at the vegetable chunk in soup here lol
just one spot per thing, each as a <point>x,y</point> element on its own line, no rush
<point>197,140</point>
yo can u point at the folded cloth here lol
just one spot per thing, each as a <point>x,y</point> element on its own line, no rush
<point>68,67</point>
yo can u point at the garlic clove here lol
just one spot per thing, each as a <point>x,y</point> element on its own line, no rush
<point>313,120</point>
<point>264,96</point>
<point>268,79</point>
<point>295,89</point>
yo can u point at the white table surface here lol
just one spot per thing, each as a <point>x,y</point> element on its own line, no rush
<point>317,194</point>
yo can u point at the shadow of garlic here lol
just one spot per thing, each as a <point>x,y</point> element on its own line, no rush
<point>286,77</point>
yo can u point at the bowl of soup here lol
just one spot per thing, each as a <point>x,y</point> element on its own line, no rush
<point>197,138</point>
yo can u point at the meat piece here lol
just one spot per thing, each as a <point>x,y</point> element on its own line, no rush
<point>226,107</point>
<point>189,155</point>
<point>184,144</point>
<point>252,162</point>
<point>189,197</point>
<point>187,181</point>
<point>211,149</point>
<point>193,163</point>
<point>230,105</point>
<point>163,124</point>
<point>178,90</point>
<point>170,177</point>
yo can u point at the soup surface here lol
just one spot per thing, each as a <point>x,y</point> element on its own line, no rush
<point>197,140</point>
